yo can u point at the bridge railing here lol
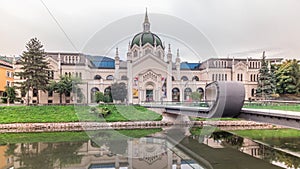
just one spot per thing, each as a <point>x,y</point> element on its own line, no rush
<point>274,105</point>
<point>184,103</point>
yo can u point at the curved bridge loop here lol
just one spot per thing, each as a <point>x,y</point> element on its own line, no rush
<point>228,96</point>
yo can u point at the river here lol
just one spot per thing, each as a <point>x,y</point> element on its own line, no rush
<point>160,149</point>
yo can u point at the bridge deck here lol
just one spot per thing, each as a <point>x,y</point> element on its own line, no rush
<point>277,117</point>
<point>277,113</point>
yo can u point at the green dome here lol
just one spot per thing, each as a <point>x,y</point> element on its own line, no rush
<point>146,37</point>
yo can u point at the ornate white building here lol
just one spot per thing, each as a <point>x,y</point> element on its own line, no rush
<point>149,72</point>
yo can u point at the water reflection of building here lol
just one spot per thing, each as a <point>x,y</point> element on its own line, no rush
<point>6,160</point>
<point>145,153</point>
<point>252,148</point>
<point>211,142</point>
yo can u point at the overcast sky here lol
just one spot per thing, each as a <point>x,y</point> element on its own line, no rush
<point>234,28</point>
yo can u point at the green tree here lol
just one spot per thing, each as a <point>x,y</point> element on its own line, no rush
<point>107,96</point>
<point>273,78</point>
<point>288,77</point>
<point>11,94</point>
<point>65,86</point>
<point>196,96</point>
<point>119,91</point>
<point>264,87</point>
<point>34,68</point>
<point>99,97</point>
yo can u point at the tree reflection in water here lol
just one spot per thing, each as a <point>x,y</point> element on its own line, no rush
<point>45,155</point>
<point>265,152</point>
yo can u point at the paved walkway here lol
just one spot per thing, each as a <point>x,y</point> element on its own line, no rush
<point>282,113</point>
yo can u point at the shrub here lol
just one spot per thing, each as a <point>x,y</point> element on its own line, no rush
<point>101,112</point>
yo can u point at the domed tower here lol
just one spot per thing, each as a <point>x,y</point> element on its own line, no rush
<point>145,43</point>
<point>149,74</point>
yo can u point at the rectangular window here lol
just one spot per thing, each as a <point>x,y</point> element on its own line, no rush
<point>238,77</point>
<point>50,101</point>
<point>225,77</point>
<point>7,73</point>
<point>8,83</point>
<point>34,93</point>
<point>213,77</point>
<point>50,93</point>
<point>50,74</point>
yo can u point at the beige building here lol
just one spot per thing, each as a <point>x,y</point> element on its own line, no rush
<point>151,72</point>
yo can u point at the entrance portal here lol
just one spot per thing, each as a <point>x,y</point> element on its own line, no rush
<point>175,95</point>
<point>149,95</point>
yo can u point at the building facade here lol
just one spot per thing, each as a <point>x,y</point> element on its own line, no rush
<point>151,72</point>
<point>6,74</point>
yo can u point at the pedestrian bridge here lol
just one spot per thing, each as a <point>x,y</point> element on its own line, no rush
<point>223,99</point>
<point>226,99</point>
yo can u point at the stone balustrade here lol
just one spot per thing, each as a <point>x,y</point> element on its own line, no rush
<point>82,126</point>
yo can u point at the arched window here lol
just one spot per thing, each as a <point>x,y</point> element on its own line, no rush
<point>124,77</point>
<point>251,77</point>
<point>184,78</point>
<point>175,95</point>
<point>200,90</point>
<point>110,77</point>
<point>93,94</point>
<point>97,77</point>
<point>195,78</point>
<point>187,94</point>
<point>107,90</point>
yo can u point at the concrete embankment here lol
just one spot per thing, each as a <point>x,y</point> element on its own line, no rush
<point>82,126</point>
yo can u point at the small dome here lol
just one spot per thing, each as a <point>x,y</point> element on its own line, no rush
<point>146,37</point>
